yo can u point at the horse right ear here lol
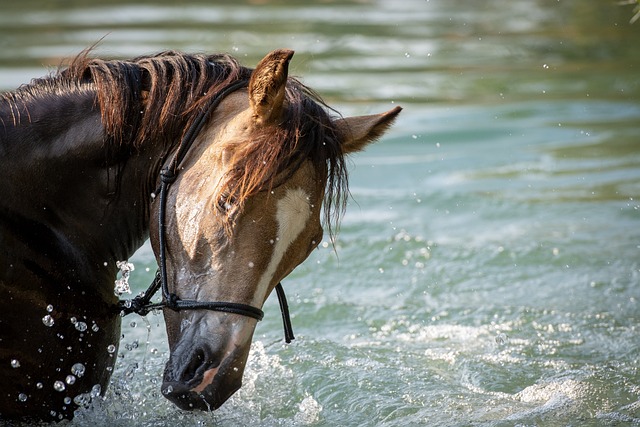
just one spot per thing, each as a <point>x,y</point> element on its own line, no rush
<point>359,131</point>
<point>267,86</point>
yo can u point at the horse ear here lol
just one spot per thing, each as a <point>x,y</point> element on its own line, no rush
<point>359,131</point>
<point>267,86</point>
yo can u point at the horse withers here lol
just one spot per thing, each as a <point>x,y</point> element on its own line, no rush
<point>82,154</point>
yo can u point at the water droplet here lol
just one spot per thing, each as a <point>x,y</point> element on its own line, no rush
<point>111,348</point>
<point>58,386</point>
<point>501,338</point>
<point>48,321</point>
<point>49,308</point>
<point>70,379</point>
<point>22,397</point>
<point>82,399</point>
<point>78,370</point>
<point>95,390</point>
<point>15,363</point>
<point>81,326</point>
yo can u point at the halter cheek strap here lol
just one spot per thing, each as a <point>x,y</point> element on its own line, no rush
<point>142,303</point>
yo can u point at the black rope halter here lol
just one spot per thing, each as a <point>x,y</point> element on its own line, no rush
<point>142,304</point>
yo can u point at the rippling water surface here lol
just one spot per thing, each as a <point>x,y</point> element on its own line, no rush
<point>488,267</point>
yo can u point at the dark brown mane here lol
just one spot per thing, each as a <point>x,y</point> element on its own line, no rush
<point>168,88</point>
<point>155,98</point>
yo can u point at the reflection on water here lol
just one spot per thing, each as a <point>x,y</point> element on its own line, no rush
<point>487,271</point>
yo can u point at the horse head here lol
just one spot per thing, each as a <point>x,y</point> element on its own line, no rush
<point>244,211</point>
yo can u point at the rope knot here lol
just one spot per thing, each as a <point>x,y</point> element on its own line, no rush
<point>172,301</point>
<point>167,176</point>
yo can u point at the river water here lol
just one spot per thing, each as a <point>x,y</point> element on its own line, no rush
<point>488,267</point>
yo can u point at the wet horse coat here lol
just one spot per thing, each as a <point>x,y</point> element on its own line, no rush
<point>81,154</point>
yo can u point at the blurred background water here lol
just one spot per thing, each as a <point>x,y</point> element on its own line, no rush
<point>487,270</point>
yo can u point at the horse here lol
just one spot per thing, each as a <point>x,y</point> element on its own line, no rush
<point>84,154</point>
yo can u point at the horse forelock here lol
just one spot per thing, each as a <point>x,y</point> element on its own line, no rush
<point>306,131</point>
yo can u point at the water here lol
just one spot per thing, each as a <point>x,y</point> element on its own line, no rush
<point>487,270</point>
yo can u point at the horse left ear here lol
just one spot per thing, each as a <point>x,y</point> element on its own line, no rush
<point>359,131</point>
<point>267,86</point>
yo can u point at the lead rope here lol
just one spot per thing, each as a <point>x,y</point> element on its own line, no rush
<point>142,303</point>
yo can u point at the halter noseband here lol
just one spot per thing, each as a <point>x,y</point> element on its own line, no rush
<point>142,304</point>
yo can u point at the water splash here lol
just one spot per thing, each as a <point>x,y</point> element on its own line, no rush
<point>310,411</point>
<point>122,284</point>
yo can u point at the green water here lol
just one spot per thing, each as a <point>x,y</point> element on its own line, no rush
<point>488,267</point>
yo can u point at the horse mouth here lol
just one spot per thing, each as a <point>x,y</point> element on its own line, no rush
<point>208,394</point>
<point>206,398</point>
<point>201,383</point>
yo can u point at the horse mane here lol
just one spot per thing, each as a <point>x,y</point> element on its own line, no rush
<point>156,97</point>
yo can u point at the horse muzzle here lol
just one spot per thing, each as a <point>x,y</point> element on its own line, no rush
<point>202,373</point>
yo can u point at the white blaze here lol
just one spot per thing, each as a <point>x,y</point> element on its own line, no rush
<point>292,213</point>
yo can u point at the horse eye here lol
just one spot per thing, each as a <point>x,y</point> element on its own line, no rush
<point>225,203</point>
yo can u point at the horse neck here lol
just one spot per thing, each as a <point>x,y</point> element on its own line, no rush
<point>68,193</point>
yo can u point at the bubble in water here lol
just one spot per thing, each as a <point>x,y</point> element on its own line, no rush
<point>78,370</point>
<point>48,320</point>
<point>71,379</point>
<point>49,308</point>
<point>58,386</point>
<point>22,397</point>
<point>167,390</point>
<point>111,349</point>
<point>67,400</point>
<point>15,363</point>
<point>133,324</point>
<point>95,327</point>
<point>81,326</point>
<point>39,386</point>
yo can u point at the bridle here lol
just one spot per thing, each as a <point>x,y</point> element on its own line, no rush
<point>142,304</point>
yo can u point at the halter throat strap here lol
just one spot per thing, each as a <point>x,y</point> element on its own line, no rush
<point>142,304</point>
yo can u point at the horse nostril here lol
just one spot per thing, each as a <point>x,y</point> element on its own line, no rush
<point>196,380</point>
<point>195,366</point>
